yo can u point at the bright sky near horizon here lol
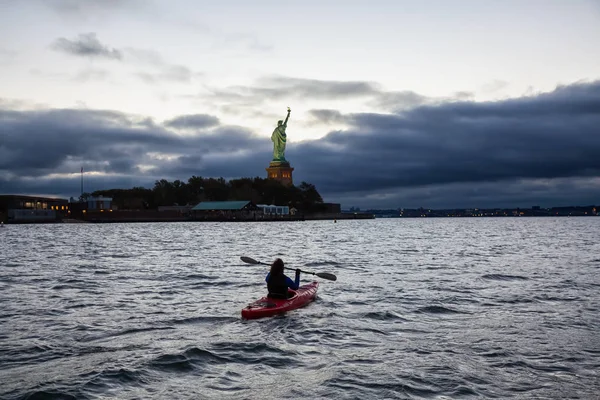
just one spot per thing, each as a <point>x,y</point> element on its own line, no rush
<point>244,62</point>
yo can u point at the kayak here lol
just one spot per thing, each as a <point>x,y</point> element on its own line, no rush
<point>268,307</point>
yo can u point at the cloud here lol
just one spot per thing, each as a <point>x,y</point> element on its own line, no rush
<point>327,116</point>
<point>537,149</point>
<point>277,87</point>
<point>195,121</point>
<point>38,144</point>
<point>553,135</point>
<point>399,100</point>
<point>282,88</point>
<point>86,45</point>
<point>162,70</point>
<point>84,8</point>
<point>510,193</point>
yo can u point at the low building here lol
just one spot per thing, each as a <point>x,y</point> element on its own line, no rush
<point>99,203</point>
<point>31,209</point>
<point>274,210</point>
<point>31,216</point>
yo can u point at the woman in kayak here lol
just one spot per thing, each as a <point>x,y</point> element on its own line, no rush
<point>278,283</point>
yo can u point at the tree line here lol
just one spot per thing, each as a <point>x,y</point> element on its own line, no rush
<point>304,197</point>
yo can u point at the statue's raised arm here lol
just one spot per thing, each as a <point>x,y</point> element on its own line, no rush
<point>288,117</point>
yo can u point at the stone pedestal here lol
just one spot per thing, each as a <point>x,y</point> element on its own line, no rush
<point>280,171</point>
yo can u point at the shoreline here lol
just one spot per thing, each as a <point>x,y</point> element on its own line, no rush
<point>114,218</point>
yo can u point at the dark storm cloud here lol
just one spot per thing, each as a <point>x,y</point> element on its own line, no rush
<point>552,135</point>
<point>327,116</point>
<point>509,193</point>
<point>86,45</point>
<point>399,100</point>
<point>195,121</point>
<point>36,144</point>
<point>530,150</point>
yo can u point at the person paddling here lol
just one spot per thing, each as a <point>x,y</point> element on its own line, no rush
<point>278,283</point>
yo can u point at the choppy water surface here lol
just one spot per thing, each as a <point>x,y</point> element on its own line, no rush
<point>446,308</point>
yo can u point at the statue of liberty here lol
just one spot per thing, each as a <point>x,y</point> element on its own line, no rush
<point>279,137</point>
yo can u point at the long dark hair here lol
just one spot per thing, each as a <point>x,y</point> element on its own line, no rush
<point>277,267</point>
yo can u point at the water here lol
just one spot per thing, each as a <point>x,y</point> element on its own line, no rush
<point>440,308</point>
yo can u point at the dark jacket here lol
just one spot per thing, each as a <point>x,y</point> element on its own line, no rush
<point>278,285</point>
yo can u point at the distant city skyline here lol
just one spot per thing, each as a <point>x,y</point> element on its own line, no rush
<point>440,104</point>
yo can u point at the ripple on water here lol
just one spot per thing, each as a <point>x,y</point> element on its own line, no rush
<point>504,277</point>
<point>383,316</point>
<point>439,310</point>
<point>53,395</point>
<point>445,308</point>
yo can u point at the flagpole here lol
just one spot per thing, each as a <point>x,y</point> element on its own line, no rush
<point>82,182</point>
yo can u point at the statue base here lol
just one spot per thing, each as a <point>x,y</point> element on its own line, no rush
<point>280,171</point>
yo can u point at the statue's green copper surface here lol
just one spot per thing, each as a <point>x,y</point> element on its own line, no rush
<point>279,138</point>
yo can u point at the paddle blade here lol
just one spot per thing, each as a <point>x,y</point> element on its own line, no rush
<point>249,260</point>
<point>325,275</point>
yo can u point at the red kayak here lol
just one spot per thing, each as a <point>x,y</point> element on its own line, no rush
<point>268,307</point>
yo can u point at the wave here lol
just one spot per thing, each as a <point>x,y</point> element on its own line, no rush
<point>197,320</point>
<point>531,366</point>
<point>227,353</point>
<point>438,310</point>
<point>52,395</point>
<point>172,362</point>
<point>546,297</point>
<point>199,276</point>
<point>125,332</point>
<point>504,277</point>
<point>322,264</point>
<point>389,389</point>
<point>109,377</point>
<point>517,300</point>
<point>383,316</point>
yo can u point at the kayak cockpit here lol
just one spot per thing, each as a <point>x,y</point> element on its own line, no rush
<point>291,294</point>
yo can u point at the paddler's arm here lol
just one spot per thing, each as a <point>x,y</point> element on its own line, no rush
<point>297,277</point>
<point>294,285</point>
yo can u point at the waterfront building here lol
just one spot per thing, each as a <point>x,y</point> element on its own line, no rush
<point>22,209</point>
<point>274,210</point>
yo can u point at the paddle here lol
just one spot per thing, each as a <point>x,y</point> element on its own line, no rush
<point>323,275</point>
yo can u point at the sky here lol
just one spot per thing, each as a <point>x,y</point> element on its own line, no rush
<point>395,104</point>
